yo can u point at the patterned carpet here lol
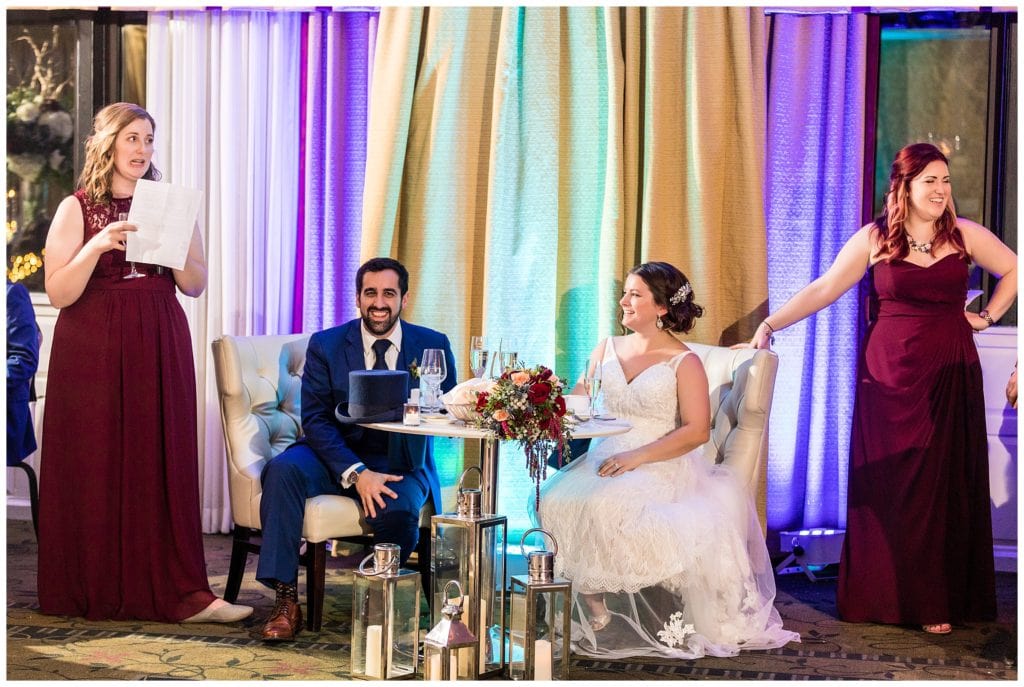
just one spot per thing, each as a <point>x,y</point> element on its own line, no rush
<point>44,648</point>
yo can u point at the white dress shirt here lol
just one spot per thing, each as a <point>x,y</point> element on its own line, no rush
<point>369,358</point>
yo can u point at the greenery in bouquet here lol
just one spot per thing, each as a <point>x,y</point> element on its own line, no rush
<point>526,405</point>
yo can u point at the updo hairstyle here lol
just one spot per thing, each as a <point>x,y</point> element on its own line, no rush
<point>665,281</point>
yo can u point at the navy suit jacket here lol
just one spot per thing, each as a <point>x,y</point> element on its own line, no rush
<point>22,361</point>
<point>330,356</point>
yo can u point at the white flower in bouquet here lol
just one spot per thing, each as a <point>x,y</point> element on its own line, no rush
<point>59,123</point>
<point>27,112</point>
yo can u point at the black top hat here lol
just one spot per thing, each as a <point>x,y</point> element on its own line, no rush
<point>374,396</point>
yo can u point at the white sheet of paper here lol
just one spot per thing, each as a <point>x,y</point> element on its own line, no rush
<point>165,215</point>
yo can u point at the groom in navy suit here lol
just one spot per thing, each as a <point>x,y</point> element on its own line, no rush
<point>391,475</point>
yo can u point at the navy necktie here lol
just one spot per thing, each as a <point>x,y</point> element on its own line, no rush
<point>380,347</point>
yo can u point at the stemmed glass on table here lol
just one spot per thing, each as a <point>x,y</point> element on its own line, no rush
<point>479,356</point>
<point>592,384</point>
<point>134,274</point>
<point>433,370</point>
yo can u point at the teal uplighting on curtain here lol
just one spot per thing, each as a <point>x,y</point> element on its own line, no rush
<point>549,153</point>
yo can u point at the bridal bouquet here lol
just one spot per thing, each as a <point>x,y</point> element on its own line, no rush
<point>526,405</point>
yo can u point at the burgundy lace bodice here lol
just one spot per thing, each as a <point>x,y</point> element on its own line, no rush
<point>96,216</point>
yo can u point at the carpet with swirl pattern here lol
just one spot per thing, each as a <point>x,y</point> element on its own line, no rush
<point>41,647</point>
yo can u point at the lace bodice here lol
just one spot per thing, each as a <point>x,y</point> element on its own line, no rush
<point>649,401</point>
<point>112,265</point>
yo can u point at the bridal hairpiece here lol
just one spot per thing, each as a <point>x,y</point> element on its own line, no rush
<point>682,293</point>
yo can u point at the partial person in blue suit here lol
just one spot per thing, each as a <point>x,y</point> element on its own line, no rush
<point>22,363</point>
<point>391,475</point>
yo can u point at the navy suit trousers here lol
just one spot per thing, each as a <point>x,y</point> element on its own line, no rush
<point>296,475</point>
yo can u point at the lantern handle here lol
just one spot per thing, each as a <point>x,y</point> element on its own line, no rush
<point>466,472</point>
<point>554,541</point>
<point>458,586</point>
<point>362,568</point>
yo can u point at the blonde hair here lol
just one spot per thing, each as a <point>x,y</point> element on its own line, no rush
<point>98,171</point>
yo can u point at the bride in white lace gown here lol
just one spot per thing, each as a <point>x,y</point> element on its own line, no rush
<point>664,550</point>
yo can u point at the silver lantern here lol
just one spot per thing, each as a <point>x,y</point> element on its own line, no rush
<point>385,617</point>
<point>540,618</point>
<point>468,546</point>
<point>450,648</point>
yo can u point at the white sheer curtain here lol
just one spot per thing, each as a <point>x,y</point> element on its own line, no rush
<point>223,87</point>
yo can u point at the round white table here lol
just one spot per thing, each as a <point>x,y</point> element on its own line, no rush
<point>590,429</point>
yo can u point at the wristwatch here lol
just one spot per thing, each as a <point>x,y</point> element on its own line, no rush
<point>354,477</point>
<point>985,316</point>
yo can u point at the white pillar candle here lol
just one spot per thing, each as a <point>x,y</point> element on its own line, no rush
<point>485,623</point>
<point>372,654</point>
<point>434,670</point>
<point>542,659</point>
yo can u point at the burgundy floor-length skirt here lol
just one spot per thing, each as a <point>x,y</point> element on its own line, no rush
<point>120,533</point>
<point>918,546</point>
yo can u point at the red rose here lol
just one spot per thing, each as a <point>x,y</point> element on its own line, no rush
<point>559,406</point>
<point>481,401</point>
<point>544,374</point>
<point>538,392</point>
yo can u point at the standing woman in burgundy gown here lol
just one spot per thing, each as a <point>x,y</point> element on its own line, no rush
<point>119,530</point>
<point>918,547</point>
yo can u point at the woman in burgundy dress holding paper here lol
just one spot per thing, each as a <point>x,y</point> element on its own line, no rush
<point>119,529</point>
<point>918,547</point>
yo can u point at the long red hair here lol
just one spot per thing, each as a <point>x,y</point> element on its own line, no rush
<point>909,163</point>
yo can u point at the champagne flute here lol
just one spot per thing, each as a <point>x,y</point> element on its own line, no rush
<point>478,356</point>
<point>509,359</point>
<point>592,383</point>
<point>134,274</point>
<point>433,369</point>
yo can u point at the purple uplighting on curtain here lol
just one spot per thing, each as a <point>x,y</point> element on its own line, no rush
<point>338,55</point>
<point>813,204</point>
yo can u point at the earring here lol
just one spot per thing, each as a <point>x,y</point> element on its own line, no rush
<point>660,324</point>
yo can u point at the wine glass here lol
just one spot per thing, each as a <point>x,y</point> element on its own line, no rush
<point>134,274</point>
<point>509,359</point>
<point>592,383</point>
<point>433,370</point>
<point>478,356</point>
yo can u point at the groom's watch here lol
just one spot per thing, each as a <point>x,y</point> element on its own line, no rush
<point>355,475</point>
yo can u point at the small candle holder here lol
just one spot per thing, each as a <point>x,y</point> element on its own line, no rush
<point>449,649</point>
<point>541,609</point>
<point>385,617</point>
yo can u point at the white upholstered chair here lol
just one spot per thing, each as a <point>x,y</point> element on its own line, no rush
<point>741,383</point>
<point>259,381</point>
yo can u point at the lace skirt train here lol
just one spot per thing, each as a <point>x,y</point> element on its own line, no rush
<point>676,550</point>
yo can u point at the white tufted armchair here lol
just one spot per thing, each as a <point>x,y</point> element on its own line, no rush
<point>259,381</point>
<point>742,383</point>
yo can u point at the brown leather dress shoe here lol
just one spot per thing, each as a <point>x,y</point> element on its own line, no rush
<point>284,623</point>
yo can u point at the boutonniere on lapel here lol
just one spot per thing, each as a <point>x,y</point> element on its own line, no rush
<point>414,369</point>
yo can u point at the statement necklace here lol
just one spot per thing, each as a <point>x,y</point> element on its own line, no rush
<point>920,247</point>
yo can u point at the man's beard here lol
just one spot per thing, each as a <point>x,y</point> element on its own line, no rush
<point>380,328</point>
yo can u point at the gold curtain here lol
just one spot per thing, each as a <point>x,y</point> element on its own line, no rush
<point>521,160</point>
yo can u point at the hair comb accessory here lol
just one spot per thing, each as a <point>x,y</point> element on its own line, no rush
<point>682,293</point>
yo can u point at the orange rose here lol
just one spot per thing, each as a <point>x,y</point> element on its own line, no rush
<point>520,377</point>
<point>501,415</point>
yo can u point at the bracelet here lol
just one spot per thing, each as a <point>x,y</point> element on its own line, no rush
<point>985,316</point>
<point>771,329</point>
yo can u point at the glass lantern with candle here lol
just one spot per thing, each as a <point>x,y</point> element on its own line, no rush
<point>469,547</point>
<point>385,617</point>
<point>540,618</point>
<point>450,648</point>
